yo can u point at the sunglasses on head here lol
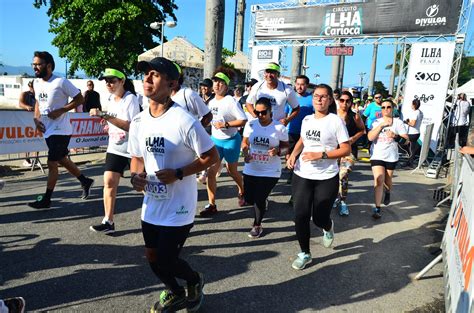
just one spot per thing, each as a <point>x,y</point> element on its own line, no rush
<point>389,107</point>
<point>264,112</point>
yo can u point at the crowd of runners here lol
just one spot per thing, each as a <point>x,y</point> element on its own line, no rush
<point>180,138</point>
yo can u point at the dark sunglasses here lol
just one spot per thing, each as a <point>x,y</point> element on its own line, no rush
<point>383,108</point>
<point>377,97</point>
<point>344,100</point>
<point>111,80</point>
<point>264,112</point>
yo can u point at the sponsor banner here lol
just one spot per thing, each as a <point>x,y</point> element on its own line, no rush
<point>427,80</point>
<point>18,132</point>
<point>261,56</point>
<point>388,17</point>
<point>458,239</point>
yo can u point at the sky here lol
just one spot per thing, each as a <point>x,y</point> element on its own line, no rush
<point>24,29</point>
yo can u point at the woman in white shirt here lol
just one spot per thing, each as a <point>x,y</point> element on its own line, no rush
<point>227,117</point>
<point>315,183</point>
<point>264,142</point>
<point>413,120</point>
<point>122,106</point>
<point>384,135</point>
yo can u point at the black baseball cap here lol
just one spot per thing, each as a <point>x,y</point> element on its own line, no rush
<point>251,82</point>
<point>206,82</point>
<point>162,65</point>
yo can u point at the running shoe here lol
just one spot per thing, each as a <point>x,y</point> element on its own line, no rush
<point>336,203</point>
<point>376,213</point>
<point>343,209</point>
<point>208,210</point>
<point>301,261</point>
<point>105,228</point>
<point>169,302</point>
<point>15,305</point>
<point>386,199</point>
<point>40,203</point>
<point>86,188</point>
<point>241,200</point>
<point>328,236</point>
<point>195,295</point>
<point>202,179</point>
<point>255,232</point>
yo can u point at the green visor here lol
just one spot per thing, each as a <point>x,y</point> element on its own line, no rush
<point>222,76</point>
<point>110,72</point>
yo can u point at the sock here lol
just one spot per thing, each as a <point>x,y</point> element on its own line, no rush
<point>106,220</point>
<point>82,179</point>
<point>48,194</point>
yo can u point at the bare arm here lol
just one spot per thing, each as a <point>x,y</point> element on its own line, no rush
<point>250,109</point>
<point>204,161</point>
<point>75,102</point>
<point>138,175</point>
<point>293,114</point>
<point>343,150</point>
<point>22,102</point>
<point>206,119</point>
<point>361,129</point>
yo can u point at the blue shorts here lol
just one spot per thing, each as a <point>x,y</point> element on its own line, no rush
<point>229,149</point>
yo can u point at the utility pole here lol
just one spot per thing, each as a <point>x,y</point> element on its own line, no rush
<point>239,25</point>
<point>362,74</point>
<point>214,35</point>
<point>372,70</point>
<point>392,76</point>
<point>296,58</point>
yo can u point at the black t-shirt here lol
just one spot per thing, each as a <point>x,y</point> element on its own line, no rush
<point>91,101</point>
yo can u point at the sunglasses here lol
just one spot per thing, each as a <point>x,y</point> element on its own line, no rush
<point>344,100</point>
<point>264,112</point>
<point>383,108</point>
<point>316,96</point>
<point>377,97</point>
<point>111,80</point>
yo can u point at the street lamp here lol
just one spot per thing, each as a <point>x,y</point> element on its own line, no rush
<point>156,25</point>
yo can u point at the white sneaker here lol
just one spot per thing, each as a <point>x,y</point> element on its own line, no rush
<point>328,236</point>
<point>301,261</point>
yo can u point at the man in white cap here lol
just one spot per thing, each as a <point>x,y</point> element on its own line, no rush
<point>277,91</point>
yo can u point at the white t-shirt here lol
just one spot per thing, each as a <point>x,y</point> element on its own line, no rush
<point>262,139</point>
<point>169,141</point>
<point>225,110</point>
<point>52,95</point>
<point>278,97</point>
<point>125,109</point>
<point>322,134</point>
<point>461,113</point>
<point>191,102</point>
<point>384,148</point>
<point>418,116</point>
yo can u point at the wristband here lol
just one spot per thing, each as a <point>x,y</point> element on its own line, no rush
<point>226,125</point>
<point>179,174</point>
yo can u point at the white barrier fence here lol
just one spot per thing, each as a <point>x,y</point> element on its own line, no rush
<point>458,251</point>
<point>18,132</point>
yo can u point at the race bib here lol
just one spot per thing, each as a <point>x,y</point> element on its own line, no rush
<point>260,156</point>
<point>156,189</point>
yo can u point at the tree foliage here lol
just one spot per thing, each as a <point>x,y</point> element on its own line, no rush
<point>466,72</point>
<point>379,87</point>
<point>95,34</point>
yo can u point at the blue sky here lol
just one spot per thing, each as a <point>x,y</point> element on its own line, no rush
<point>24,29</point>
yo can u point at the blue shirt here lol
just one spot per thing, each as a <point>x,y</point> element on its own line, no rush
<point>372,112</point>
<point>306,108</point>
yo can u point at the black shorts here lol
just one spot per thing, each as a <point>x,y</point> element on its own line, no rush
<point>388,165</point>
<point>292,140</point>
<point>165,237</point>
<point>116,163</point>
<point>57,147</point>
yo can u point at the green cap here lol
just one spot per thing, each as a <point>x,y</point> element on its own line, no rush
<point>111,72</point>
<point>273,67</point>
<point>222,76</point>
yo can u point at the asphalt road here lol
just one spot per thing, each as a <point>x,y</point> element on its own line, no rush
<point>52,259</point>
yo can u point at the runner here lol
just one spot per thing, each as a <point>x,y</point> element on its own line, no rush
<point>51,118</point>
<point>278,93</point>
<point>163,143</point>
<point>264,142</point>
<point>384,153</point>
<point>228,116</point>
<point>190,101</point>
<point>122,107</point>
<point>413,120</point>
<point>356,129</point>
<point>324,139</point>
